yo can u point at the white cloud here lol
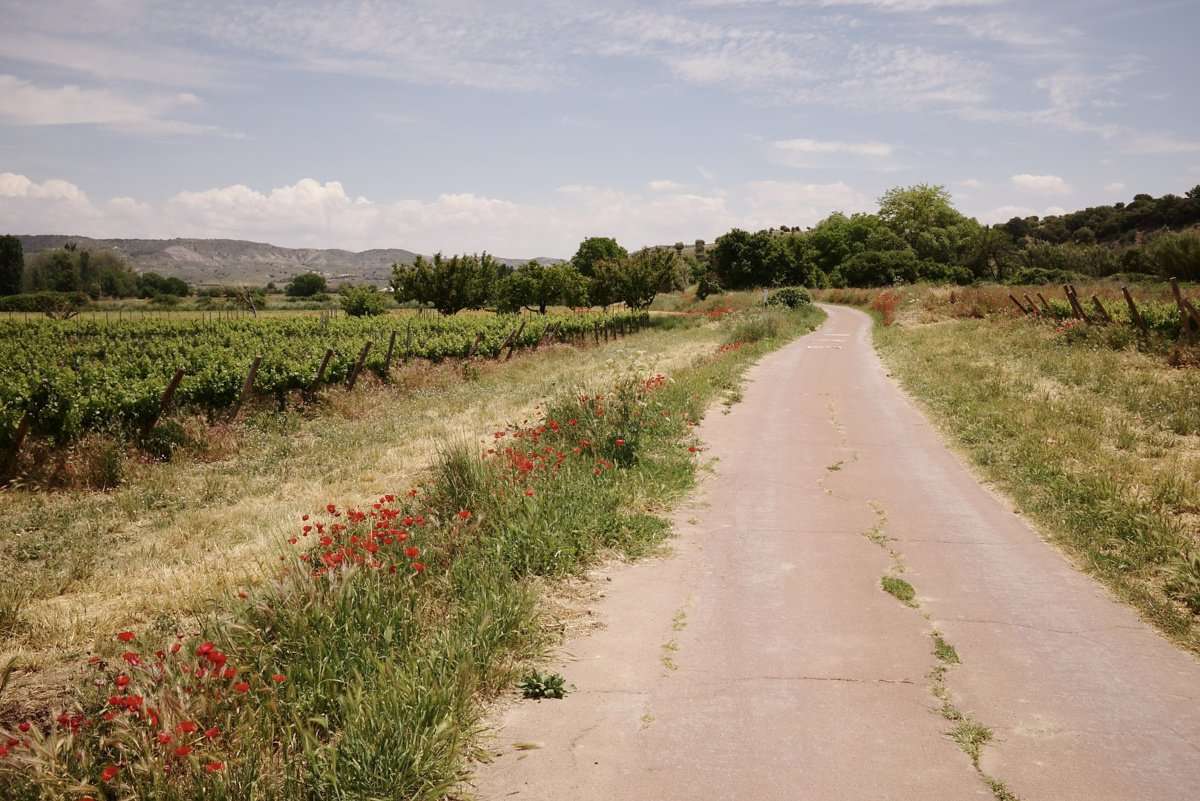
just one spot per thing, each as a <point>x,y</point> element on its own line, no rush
<point>1054,211</point>
<point>1114,187</point>
<point>664,185</point>
<point>311,213</point>
<point>24,103</point>
<point>1044,184</point>
<point>971,183</point>
<point>811,152</point>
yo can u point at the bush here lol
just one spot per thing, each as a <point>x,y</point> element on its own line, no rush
<point>363,301</point>
<point>306,285</point>
<point>793,297</point>
<point>709,285</point>
<point>52,304</point>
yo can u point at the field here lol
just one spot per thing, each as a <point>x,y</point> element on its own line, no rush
<point>1090,428</point>
<point>380,674</point>
<point>65,378</point>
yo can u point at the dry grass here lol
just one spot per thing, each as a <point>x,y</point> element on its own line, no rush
<point>155,552</point>
<point>1100,444</point>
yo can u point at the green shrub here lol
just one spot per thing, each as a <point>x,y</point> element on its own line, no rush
<point>363,301</point>
<point>792,297</point>
<point>709,284</point>
<point>754,328</point>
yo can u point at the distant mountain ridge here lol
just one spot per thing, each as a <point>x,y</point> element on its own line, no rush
<point>236,261</point>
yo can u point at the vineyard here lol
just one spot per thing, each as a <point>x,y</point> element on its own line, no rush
<point>62,379</point>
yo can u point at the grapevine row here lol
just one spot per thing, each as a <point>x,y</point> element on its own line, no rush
<point>62,379</point>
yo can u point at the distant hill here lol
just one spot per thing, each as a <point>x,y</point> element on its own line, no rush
<point>235,261</point>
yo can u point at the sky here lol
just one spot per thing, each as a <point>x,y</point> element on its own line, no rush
<point>520,127</point>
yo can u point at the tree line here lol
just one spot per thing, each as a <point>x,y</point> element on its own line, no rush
<point>918,235</point>
<point>600,274</point>
<point>71,270</point>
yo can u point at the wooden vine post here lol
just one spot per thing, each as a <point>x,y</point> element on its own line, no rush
<point>1134,315</point>
<point>1045,303</point>
<point>14,453</point>
<point>1191,317</point>
<point>1018,304</point>
<point>321,371</point>
<point>247,387</point>
<point>358,365</point>
<point>474,346</point>
<point>407,343</point>
<point>512,344</point>
<point>1076,307</point>
<point>164,402</point>
<point>1103,312</point>
<point>1032,306</point>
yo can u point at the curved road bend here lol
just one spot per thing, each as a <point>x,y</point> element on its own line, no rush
<point>762,661</point>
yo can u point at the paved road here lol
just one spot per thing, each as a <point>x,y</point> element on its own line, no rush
<point>762,661</point>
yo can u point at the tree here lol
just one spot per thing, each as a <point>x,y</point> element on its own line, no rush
<point>306,285</point>
<point>635,280</point>
<point>537,286</point>
<point>151,285</point>
<point>594,250</point>
<point>12,265</point>
<point>363,301</point>
<point>449,285</point>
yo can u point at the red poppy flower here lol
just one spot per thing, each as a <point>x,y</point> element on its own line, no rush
<point>189,727</point>
<point>212,733</point>
<point>183,751</point>
<point>620,442</point>
<point>165,737</point>
<point>122,681</point>
<point>215,767</point>
<point>412,552</point>
<point>228,673</point>
<point>109,773</point>
<point>24,726</point>
<point>464,514</point>
<point>126,636</point>
<point>241,687</point>
<point>132,658</point>
<point>418,567</point>
<point>279,678</point>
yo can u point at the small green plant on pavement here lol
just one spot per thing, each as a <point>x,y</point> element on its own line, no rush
<point>543,685</point>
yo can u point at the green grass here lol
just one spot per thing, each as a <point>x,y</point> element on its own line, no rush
<point>387,675</point>
<point>943,650</point>
<point>899,588</point>
<point>1100,447</point>
<point>971,737</point>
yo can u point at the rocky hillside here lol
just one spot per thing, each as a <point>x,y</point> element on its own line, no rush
<point>233,261</point>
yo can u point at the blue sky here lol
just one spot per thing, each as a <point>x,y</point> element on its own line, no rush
<point>521,127</point>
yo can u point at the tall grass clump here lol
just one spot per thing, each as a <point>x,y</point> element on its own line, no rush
<point>360,667</point>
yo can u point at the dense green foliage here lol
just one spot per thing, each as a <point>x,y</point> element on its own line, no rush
<point>537,286</point>
<point>363,301</point>
<point>476,282</point>
<point>306,285</point>
<point>918,235</point>
<point>448,284</point>
<point>594,250</point>
<point>75,376</point>
<point>12,265</point>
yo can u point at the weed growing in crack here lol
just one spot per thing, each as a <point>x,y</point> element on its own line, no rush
<point>943,650</point>
<point>971,736</point>
<point>901,589</point>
